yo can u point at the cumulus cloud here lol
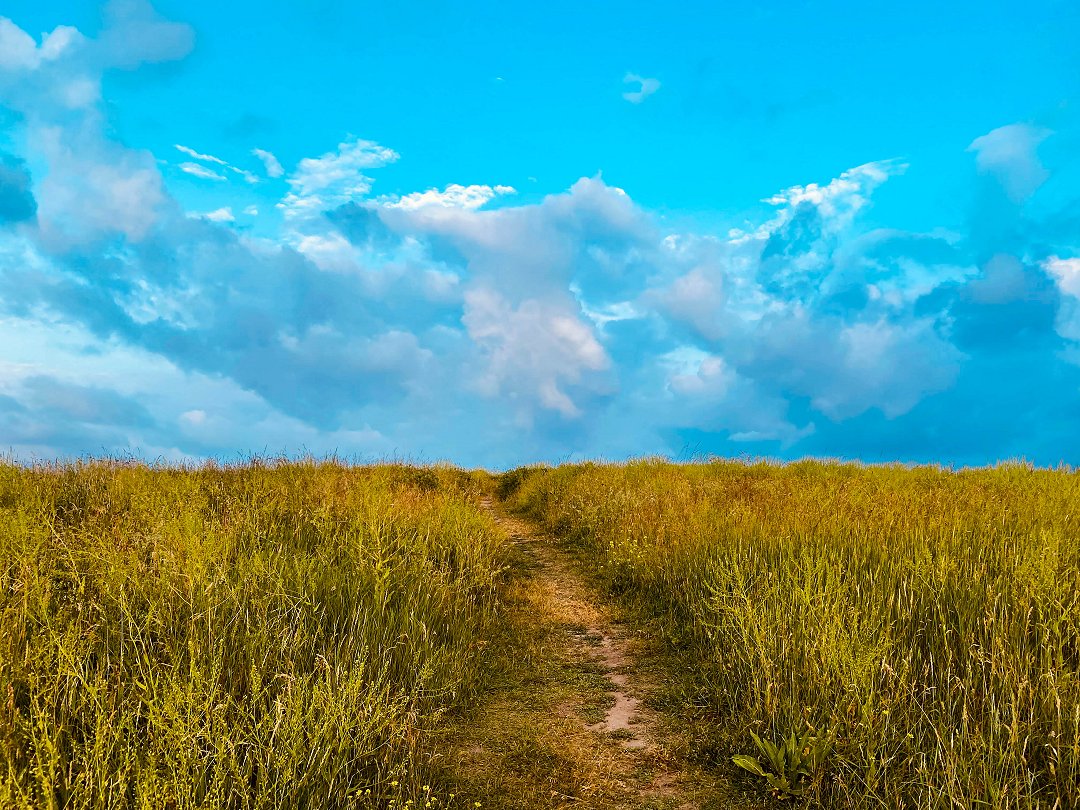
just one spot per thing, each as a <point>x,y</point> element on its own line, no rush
<point>335,177</point>
<point>19,52</point>
<point>1009,154</point>
<point>440,323</point>
<point>1066,276</point>
<point>836,203</point>
<point>646,87</point>
<point>453,196</point>
<point>1066,272</point>
<point>96,189</point>
<point>531,349</point>
<point>61,72</point>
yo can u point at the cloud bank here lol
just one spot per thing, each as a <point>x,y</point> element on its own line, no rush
<point>461,323</point>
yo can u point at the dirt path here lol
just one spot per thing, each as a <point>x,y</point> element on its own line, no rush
<point>592,633</point>
<point>576,731</point>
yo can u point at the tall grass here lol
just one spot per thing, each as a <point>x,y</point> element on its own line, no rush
<point>929,619</point>
<point>265,636</point>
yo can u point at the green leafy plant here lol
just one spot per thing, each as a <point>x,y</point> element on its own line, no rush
<point>789,764</point>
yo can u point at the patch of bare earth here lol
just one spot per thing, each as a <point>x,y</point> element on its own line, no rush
<point>571,728</point>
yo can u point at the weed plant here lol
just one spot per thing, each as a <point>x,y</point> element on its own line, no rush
<point>261,636</point>
<point>927,620</point>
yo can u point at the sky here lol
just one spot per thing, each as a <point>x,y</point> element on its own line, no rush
<point>503,233</point>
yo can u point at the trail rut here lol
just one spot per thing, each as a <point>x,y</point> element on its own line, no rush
<point>625,734</point>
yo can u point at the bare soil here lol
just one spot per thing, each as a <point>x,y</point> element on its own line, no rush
<point>575,729</point>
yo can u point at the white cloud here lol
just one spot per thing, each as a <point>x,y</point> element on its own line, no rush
<point>248,176</point>
<point>533,350</point>
<point>210,175</point>
<point>341,169</point>
<point>335,177</point>
<point>441,297</point>
<point>694,371</point>
<point>453,196</point>
<point>96,189</point>
<point>62,38</point>
<point>220,215</point>
<point>272,164</point>
<point>187,150</point>
<point>608,313</point>
<point>646,87</point>
<point>19,51</point>
<point>698,299</point>
<point>252,210</point>
<point>890,366</point>
<point>328,251</point>
<point>703,390</point>
<point>194,418</point>
<point>1066,273</point>
<point>196,170</point>
<point>1009,153</point>
<point>841,198</point>
<point>78,92</point>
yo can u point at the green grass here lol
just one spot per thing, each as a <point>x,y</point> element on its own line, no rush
<point>264,636</point>
<point>928,619</point>
<point>309,635</point>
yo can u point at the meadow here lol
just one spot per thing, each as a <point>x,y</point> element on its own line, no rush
<point>895,637</point>
<point>270,635</point>
<point>313,634</point>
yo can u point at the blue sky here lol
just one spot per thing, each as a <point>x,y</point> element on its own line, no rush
<point>499,233</point>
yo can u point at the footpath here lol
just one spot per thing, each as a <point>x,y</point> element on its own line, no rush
<point>571,726</point>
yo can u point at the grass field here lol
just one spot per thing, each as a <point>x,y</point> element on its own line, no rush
<point>919,629</point>
<point>266,636</point>
<point>314,635</point>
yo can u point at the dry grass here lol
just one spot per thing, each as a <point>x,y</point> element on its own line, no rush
<point>928,619</point>
<point>315,635</point>
<point>265,636</point>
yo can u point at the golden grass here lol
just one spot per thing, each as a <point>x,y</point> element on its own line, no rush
<point>529,747</point>
<point>928,619</point>
<point>264,636</point>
